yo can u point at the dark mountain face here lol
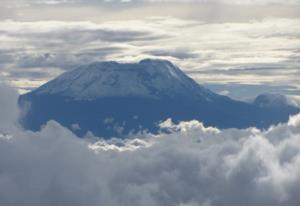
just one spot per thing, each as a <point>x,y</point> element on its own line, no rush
<point>111,99</point>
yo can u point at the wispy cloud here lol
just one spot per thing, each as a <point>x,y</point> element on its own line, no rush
<point>241,52</point>
<point>55,2</point>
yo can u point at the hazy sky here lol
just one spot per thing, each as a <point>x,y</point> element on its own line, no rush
<point>227,42</point>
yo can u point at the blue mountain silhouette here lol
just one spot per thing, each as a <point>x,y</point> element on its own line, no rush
<point>114,99</point>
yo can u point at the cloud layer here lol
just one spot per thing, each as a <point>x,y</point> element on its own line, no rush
<point>55,2</point>
<point>191,166</point>
<point>229,52</point>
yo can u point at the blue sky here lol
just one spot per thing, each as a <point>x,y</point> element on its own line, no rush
<point>216,42</point>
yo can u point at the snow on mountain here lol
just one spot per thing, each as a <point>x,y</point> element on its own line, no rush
<point>148,79</point>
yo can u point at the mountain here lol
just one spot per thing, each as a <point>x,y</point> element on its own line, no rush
<point>114,99</point>
<point>152,79</point>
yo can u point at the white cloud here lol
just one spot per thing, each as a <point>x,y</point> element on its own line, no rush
<point>231,52</point>
<point>294,100</point>
<point>192,165</point>
<point>54,2</point>
<point>247,2</point>
<point>224,92</point>
<point>9,111</point>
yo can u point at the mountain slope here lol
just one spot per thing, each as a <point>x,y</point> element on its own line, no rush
<point>148,79</point>
<point>113,99</point>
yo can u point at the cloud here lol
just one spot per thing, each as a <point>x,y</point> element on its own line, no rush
<point>9,111</point>
<point>177,53</point>
<point>216,52</point>
<point>224,92</point>
<point>192,165</point>
<point>248,92</point>
<point>56,2</point>
<point>294,100</point>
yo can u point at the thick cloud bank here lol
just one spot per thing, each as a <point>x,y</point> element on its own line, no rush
<point>191,166</point>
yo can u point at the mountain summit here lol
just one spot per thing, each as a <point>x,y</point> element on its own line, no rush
<point>153,79</point>
<point>114,99</point>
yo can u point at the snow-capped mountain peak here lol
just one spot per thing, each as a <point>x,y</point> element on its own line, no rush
<point>148,79</point>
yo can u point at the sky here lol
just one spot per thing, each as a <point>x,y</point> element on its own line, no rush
<point>235,47</point>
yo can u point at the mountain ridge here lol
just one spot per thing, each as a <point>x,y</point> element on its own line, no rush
<point>148,78</point>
